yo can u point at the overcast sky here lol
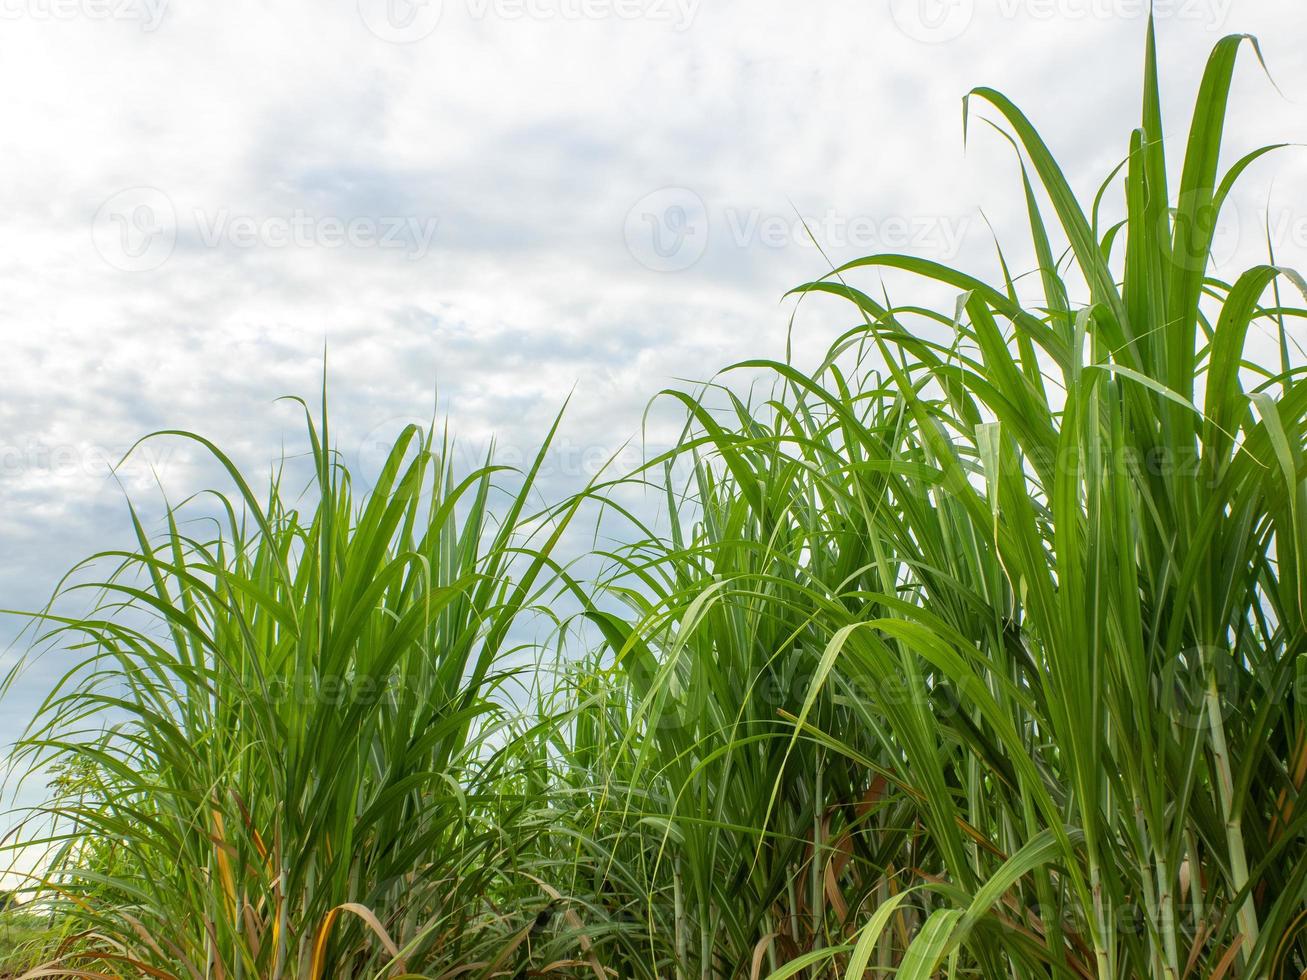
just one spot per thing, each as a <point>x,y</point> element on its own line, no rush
<point>507,199</point>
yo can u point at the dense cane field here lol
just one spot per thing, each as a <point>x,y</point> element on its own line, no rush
<point>978,651</point>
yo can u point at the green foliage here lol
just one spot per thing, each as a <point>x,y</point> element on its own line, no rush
<point>274,731</point>
<point>977,651</point>
<point>25,940</point>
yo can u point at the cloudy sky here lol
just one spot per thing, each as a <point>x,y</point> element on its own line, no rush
<point>502,201</point>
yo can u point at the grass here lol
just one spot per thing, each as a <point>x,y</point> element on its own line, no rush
<point>980,650</point>
<point>25,941</point>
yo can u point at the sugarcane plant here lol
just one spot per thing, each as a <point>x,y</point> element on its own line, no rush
<point>977,649</point>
